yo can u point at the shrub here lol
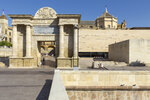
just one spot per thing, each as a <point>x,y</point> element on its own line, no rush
<point>5,43</point>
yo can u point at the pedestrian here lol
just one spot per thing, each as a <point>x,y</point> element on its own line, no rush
<point>43,61</point>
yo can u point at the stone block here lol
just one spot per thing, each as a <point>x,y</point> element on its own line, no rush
<point>2,65</point>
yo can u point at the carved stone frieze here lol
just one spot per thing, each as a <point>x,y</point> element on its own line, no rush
<point>45,13</point>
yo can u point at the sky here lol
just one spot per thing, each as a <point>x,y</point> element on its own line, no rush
<point>135,12</point>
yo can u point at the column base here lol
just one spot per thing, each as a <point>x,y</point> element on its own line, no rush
<point>76,62</point>
<point>22,62</point>
<point>67,62</point>
<point>60,57</point>
<point>28,57</point>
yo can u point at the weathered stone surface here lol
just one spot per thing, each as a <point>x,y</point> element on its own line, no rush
<point>45,13</point>
<point>2,65</point>
<point>58,91</point>
<point>105,78</point>
<point>30,31</point>
<point>133,51</point>
<point>91,40</point>
<point>109,95</point>
<point>107,85</point>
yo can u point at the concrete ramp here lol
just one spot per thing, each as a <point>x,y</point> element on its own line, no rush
<point>58,91</point>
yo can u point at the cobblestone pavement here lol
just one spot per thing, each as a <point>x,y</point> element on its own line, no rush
<point>25,84</point>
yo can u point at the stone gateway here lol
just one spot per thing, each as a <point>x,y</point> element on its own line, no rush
<point>46,26</point>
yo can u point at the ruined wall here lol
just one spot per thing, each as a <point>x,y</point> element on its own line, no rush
<point>98,40</point>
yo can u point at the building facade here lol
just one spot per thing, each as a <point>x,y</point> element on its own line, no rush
<point>5,30</point>
<point>49,31</point>
<point>30,32</point>
<point>105,21</point>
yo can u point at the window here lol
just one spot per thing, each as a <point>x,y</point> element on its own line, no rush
<point>9,33</point>
<point>108,26</point>
<point>6,31</point>
<point>9,39</point>
<point>5,38</point>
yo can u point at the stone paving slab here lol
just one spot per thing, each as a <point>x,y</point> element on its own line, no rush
<point>86,63</point>
<point>25,84</point>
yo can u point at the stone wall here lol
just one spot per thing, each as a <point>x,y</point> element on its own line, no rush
<point>109,95</point>
<point>119,51</point>
<point>99,40</point>
<point>106,85</point>
<point>5,52</point>
<point>105,78</point>
<point>134,51</point>
<point>139,52</point>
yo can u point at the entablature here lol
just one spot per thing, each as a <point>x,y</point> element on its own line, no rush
<point>69,19</point>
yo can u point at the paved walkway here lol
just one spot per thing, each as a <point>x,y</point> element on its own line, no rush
<point>86,63</point>
<point>35,84</point>
<point>25,84</point>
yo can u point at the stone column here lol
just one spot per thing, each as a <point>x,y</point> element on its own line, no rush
<point>15,41</point>
<point>61,41</point>
<point>75,51</point>
<point>28,41</point>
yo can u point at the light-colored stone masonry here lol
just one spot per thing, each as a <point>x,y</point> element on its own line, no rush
<point>134,51</point>
<point>5,52</point>
<point>98,40</point>
<point>105,78</point>
<point>109,95</point>
<point>29,31</point>
<point>107,85</point>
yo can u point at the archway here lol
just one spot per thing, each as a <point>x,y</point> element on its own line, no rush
<point>47,51</point>
<point>45,27</point>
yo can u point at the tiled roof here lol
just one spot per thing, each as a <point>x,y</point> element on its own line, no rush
<point>3,17</point>
<point>106,15</point>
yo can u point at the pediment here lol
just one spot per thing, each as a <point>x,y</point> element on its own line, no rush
<point>45,13</point>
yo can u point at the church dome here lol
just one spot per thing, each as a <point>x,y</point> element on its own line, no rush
<point>3,16</point>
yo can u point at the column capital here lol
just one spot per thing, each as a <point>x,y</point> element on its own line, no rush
<point>28,24</point>
<point>61,24</point>
<point>14,24</point>
<point>76,26</point>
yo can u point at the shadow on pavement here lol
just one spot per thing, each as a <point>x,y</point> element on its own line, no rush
<point>44,93</point>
